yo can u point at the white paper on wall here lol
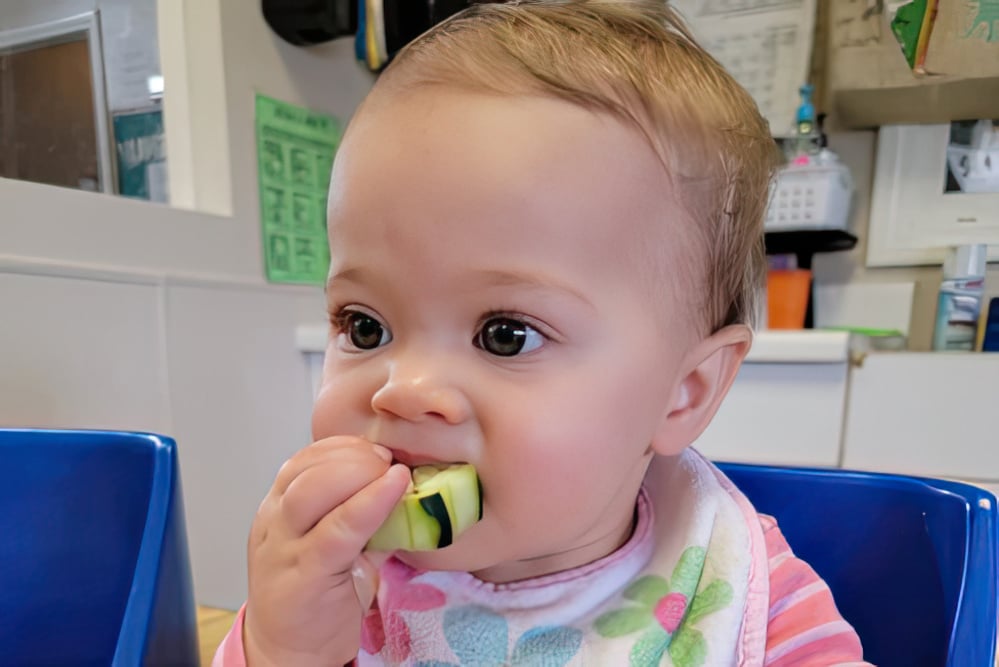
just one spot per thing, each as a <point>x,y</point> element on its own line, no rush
<point>765,44</point>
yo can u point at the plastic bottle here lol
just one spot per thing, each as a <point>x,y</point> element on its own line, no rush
<point>960,299</point>
<point>804,140</point>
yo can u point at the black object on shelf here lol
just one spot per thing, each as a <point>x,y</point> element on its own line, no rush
<point>309,22</point>
<point>804,244</point>
<point>405,20</point>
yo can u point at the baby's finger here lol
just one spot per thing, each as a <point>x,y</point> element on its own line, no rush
<point>320,488</point>
<point>341,535</point>
<point>346,448</point>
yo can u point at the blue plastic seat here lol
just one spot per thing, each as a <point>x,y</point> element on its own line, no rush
<point>911,562</point>
<point>94,566</point>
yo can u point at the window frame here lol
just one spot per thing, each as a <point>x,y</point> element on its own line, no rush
<point>65,30</point>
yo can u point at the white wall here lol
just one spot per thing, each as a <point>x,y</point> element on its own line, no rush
<point>24,13</point>
<point>123,314</point>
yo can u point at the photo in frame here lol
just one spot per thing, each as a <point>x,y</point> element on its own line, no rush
<point>919,207</point>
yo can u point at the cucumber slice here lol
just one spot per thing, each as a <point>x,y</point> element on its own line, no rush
<point>441,503</point>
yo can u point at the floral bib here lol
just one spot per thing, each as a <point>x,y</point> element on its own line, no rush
<point>689,588</point>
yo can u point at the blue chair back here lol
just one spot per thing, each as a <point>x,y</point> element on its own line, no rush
<point>911,562</point>
<point>94,566</point>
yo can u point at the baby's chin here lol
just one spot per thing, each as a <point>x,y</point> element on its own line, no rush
<point>424,560</point>
<point>462,556</point>
<point>484,564</point>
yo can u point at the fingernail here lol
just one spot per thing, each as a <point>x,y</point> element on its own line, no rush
<point>383,453</point>
<point>365,579</point>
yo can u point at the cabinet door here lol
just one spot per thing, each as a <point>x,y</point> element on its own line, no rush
<point>781,413</point>
<point>931,414</point>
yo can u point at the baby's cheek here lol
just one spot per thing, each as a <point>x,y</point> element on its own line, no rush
<point>336,411</point>
<point>534,485</point>
<point>325,414</point>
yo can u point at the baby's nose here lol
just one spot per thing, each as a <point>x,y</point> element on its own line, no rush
<point>417,392</point>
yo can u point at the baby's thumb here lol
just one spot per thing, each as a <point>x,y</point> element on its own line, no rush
<point>365,577</point>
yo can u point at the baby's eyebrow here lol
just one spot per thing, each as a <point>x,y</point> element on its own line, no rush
<point>485,278</point>
<point>352,274</point>
<point>505,278</point>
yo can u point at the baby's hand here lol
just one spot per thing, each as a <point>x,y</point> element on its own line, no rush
<point>326,503</point>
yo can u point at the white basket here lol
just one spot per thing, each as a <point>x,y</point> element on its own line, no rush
<point>809,197</point>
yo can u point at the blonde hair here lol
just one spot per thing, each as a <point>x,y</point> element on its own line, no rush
<point>636,60</point>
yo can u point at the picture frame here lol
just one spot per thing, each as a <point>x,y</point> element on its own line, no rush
<point>913,220</point>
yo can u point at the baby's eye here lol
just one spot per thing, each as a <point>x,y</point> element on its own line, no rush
<point>507,337</point>
<point>360,331</point>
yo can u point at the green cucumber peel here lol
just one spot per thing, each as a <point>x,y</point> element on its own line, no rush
<point>441,503</point>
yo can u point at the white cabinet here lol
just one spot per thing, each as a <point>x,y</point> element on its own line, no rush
<point>311,341</point>
<point>787,404</point>
<point>926,414</point>
<point>931,414</point>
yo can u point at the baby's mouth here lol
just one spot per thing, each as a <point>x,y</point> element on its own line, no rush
<point>442,501</point>
<point>414,459</point>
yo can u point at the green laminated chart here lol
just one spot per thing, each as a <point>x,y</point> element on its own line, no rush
<point>295,148</point>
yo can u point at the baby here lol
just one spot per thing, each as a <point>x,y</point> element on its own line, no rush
<point>545,228</point>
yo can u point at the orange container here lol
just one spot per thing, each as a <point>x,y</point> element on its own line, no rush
<point>787,298</point>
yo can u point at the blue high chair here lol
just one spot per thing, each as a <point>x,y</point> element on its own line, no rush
<point>912,563</point>
<point>94,565</point>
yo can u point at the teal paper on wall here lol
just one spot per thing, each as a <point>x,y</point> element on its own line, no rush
<point>139,148</point>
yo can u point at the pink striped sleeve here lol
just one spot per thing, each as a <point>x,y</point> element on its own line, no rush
<point>804,626</point>
<point>230,651</point>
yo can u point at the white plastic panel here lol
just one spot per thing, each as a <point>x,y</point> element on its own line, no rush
<point>781,413</point>
<point>799,346</point>
<point>242,403</point>
<point>928,414</point>
<point>81,354</point>
<point>870,305</point>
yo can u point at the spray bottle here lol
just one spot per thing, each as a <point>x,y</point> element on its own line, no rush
<point>960,299</point>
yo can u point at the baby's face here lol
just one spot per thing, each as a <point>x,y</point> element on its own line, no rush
<point>491,306</point>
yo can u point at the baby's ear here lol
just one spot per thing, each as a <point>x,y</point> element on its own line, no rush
<point>707,372</point>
